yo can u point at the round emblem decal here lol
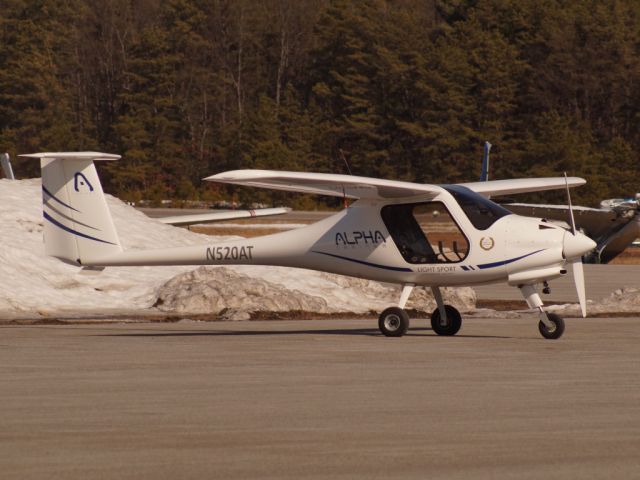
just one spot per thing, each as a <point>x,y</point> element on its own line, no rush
<point>487,243</point>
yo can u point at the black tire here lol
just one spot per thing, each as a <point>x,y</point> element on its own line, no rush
<point>454,321</point>
<point>556,331</point>
<point>393,322</point>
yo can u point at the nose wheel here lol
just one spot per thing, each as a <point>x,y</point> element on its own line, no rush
<point>554,328</point>
<point>551,325</point>
<point>393,322</point>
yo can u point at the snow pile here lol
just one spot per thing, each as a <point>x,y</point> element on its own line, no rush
<point>34,284</point>
<point>623,300</point>
<point>217,289</point>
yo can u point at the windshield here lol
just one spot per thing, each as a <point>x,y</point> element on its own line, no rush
<point>481,211</point>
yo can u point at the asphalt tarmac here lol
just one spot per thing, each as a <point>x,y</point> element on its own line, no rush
<point>320,399</point>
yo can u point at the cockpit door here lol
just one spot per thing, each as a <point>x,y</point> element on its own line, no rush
<point>425,233</point>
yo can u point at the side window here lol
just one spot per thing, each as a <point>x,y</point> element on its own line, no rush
<point>425,233</point>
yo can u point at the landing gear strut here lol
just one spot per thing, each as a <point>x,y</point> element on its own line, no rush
<point>551,325</point>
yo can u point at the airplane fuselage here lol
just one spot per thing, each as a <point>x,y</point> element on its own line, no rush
<point>361,241</point>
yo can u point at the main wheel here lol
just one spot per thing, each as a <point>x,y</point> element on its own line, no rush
<point>393,322</point>
<point>554,332</point>
<point>452,325</point>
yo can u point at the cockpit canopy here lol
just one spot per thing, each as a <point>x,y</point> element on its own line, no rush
<point>426,232</point>
<point>481,211</point>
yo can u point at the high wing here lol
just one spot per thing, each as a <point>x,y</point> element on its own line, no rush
<point>326,184</point>
<point>363,187</point>
<point>522,185</point>
<point>218,216</point>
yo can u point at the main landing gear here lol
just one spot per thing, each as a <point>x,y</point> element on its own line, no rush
<point>551,326</point>
<point>445,319</point>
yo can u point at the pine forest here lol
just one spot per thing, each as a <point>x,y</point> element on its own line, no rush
<point>404,89</point>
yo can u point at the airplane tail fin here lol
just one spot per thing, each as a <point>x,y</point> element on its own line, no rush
<point>78,225</point>
<point>6,166</point>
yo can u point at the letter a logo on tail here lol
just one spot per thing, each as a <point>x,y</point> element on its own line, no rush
<point>81,184</point>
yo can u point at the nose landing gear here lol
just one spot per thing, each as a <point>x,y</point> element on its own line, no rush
<point>551,325</point>
<point>555,330</point>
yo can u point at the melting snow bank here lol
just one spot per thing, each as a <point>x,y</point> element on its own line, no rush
<point>623,300</point>
<point>34,285</point>
<point>225,290</point>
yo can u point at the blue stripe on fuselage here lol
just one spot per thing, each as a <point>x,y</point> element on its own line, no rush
<point>369,264</point>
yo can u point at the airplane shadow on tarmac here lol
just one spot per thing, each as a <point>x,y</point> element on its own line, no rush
<point>371,332</point>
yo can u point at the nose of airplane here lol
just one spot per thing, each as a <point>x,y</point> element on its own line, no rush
<point>576,245</point>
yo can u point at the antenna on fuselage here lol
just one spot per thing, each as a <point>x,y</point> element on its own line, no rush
<point>346,162</point>
<point>484,174</point>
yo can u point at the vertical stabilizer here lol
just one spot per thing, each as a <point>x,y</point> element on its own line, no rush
<point>77,222</point>
<point>6,166</point>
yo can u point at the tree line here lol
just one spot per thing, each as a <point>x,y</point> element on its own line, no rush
<point>401,89</point>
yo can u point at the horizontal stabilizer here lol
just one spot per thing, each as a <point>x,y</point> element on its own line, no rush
<point>72,156</point>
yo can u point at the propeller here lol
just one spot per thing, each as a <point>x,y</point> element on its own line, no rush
<point>578,278</point>
<point>576,261</point>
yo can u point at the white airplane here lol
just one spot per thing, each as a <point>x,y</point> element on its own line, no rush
<point>398,232</point>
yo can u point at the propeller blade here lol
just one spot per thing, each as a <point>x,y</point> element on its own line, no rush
<point>573,220</point>
<point>578,278</point>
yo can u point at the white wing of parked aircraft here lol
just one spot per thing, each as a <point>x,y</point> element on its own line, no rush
<point>182,220</point>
